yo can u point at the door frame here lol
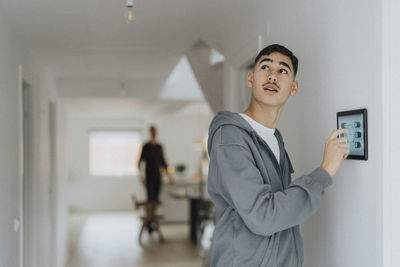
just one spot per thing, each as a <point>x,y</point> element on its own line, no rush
<point>21,165</point>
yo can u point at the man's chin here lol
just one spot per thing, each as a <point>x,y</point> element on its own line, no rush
<point>275,103</point>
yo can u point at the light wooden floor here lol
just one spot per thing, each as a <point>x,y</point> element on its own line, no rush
<point>111,240</point>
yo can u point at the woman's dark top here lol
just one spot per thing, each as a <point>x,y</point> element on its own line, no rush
<point>154,158</point>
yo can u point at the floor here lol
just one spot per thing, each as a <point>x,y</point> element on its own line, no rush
<point>111,239</point>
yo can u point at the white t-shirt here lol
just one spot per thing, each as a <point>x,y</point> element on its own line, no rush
<point>266,133</point>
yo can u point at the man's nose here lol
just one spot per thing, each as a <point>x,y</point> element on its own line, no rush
<point>271,77</point>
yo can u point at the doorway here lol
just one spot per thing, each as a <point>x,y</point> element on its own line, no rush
<point>28,188</point>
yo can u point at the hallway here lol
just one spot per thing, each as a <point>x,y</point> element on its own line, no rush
<point>111,239</point>
<point>74,72</point>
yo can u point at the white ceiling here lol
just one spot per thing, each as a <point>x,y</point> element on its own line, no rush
<point>93,52</point>
<point>138,108</point>
<point>90,38</point>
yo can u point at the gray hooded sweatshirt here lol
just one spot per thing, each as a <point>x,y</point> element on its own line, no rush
<point>259,208</point>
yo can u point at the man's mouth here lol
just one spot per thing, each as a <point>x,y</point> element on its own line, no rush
<point>271,88</point>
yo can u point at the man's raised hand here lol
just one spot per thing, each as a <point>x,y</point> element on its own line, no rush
<point>336,150</point>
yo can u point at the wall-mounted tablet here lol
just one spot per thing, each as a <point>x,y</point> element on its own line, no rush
<point>357,137</point>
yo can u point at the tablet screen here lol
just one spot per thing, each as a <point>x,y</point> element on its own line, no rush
<point>355,121</point>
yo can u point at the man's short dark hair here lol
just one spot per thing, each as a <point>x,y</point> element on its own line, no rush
<point>280,49</point>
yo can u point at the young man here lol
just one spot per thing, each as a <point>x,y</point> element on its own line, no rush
<point>259,207</point>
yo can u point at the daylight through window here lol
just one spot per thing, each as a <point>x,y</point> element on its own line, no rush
<point>114,153</point>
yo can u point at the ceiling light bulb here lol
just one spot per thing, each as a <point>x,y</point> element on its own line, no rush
<point>129,11</point>
<point>130,15</point>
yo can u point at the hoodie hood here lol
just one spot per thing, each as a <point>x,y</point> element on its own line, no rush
<point>230,118</point>
<point>226,118</point>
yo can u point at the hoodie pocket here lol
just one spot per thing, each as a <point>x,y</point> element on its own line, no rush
<point>249,249</point>
<point>269,247</point>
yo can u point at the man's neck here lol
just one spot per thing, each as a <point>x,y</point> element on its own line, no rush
<point>153,141</point>
<point>265,115</point>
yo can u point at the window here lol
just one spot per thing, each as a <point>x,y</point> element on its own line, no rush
<point>216,57</point>
<point>114,153</point>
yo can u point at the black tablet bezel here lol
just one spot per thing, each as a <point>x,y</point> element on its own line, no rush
<point>365,120</point>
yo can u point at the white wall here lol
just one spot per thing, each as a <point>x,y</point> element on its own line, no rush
<point>88,193</point>
<point>37,184</point>
<point>45,181</point>
<point>177,132</point>
<point>14,52</point>
<point>338,45</point>
<point>391,128</point>
<point>9,143</point>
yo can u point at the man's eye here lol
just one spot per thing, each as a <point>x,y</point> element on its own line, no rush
<point>283,71</point>
<point>264,67</point>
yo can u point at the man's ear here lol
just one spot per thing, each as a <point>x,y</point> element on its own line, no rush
<point>249,80</point>
<point>295,88</point>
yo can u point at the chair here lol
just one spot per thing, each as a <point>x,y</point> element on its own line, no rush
<point>150,216</point>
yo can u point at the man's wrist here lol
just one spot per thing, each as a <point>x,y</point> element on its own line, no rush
<point>322,176</point>
<point>326,169</point>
